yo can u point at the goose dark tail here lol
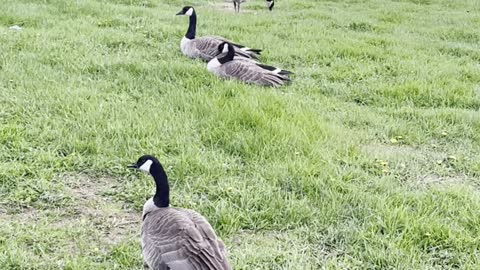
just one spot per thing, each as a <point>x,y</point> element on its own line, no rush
<point>246,49</point>
<point>256,51</point>
<point>276,70</point>
<point>246,54</point>
<point>285,72</point>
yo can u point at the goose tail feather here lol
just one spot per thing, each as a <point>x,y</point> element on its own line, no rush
<point>256,51</point>
<point>247,49</point>
<point>275,70</point>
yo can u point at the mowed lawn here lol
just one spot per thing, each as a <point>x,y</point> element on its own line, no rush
<point>370,159</point>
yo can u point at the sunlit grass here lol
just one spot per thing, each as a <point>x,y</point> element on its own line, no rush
<point>369,159</point>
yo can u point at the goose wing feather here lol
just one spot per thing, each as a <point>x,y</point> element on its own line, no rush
<point>207,48</point>
<point>208,233</point>
<point>237,46</point>
<point>249,72</point>
<point>181,239</point>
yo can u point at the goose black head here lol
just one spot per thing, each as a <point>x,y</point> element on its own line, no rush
<point>145,163</point>
<point>225,47</point>
<point>226,52</point>
<point>186,11</point>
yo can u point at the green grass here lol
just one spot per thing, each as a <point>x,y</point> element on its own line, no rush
<point>370,159</point>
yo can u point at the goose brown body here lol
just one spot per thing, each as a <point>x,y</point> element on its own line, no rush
<point>180,239</point>
<point>249,73</point>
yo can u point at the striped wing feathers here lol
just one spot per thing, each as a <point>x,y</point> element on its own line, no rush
<point>181,239</point>
<point>249,72</point>
<point>207,48</point>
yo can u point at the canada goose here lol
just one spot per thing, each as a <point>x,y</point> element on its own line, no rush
<point>270,4</point>
<point>226,66</point>
<point>176,238</point>
<point>206,47</point>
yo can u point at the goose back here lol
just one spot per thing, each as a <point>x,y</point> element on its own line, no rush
<point>247,71</point>
<point>180,239</point>
<point>205,48</point>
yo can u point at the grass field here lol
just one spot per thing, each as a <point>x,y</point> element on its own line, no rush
<point>370,159</point>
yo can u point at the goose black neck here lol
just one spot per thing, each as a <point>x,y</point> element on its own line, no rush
<point>192,26</point>
<point>270,5</point>
<point>228,57</point>
<point>162,193</point>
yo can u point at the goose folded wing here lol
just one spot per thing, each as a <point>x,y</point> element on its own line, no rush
<point>240,50</point>
<point>208,234</point>
<point>250,73</point>
<point>160,235</point>
<point>269,77</point>
<point>237,47</point>
<point>207,47</point>
<point>185,245</point>
<point>241,70</point>
<point>274,79</point>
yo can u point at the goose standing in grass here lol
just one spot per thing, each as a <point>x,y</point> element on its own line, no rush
<point>206,47</point>
<point>226,66</point>
<point>176,238</point>
<point>270,4</point>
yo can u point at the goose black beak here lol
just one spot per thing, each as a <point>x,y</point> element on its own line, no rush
<point>133,166</point>
<point>180,13</point>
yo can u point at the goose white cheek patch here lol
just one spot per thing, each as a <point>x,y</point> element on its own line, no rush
<point>146,166</point>
<point>189,12</point>
<point>225,48</point>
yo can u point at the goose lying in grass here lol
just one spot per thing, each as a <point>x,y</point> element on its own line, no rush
<point>226,65</point>
<point>176,238</point>
<point>206,47</point>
